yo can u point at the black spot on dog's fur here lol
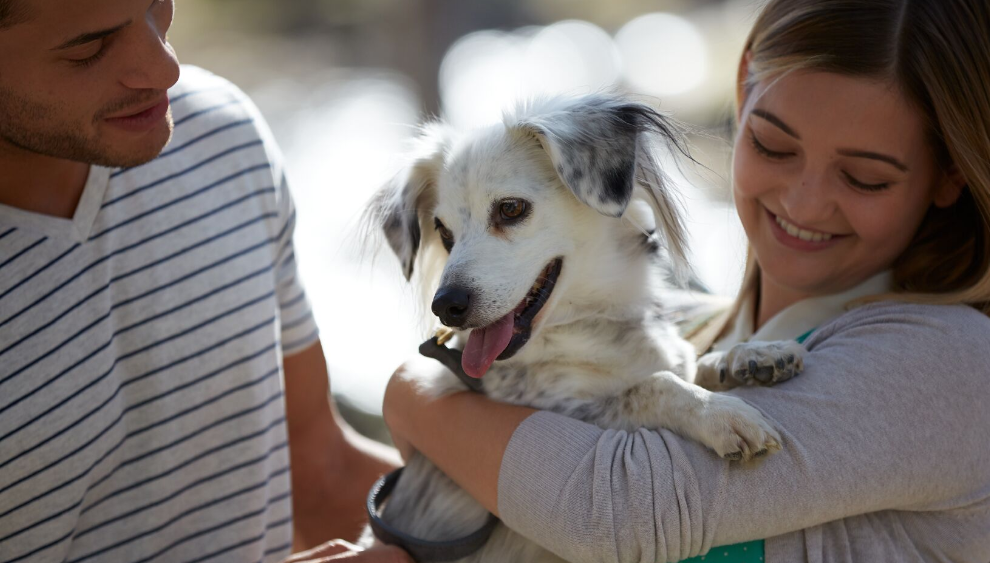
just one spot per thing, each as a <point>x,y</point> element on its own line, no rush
<point>575,175</point>
<point>414,237</point>
<point>392,225</point>
<point>399,230</point>
<point>617,184</point>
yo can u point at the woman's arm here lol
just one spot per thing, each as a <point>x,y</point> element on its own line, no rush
<point>890,414</point>
<point>465,433</point>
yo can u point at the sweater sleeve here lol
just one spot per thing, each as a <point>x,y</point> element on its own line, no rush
<point>890,394</point>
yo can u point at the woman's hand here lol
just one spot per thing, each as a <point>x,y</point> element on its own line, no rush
<point>340,550</point>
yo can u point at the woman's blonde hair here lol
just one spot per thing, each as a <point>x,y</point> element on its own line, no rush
<point>938,53</point>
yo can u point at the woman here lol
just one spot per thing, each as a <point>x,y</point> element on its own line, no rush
<point>862,179</point>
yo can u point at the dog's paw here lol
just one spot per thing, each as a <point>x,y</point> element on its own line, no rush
<point>735,430</point>
<point>762,363</point>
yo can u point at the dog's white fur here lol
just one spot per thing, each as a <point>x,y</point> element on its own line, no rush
<point>599,349</point>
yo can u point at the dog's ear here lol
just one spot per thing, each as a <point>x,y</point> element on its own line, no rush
<point>399,205</point>
<point>601,146</point>
<point>592,145</point>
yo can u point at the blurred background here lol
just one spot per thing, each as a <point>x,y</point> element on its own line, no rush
<point>343,84</point>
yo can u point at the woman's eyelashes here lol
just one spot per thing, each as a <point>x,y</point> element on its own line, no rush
<point>864,186</point>
<point>762,149</point>
<point>849,178</point>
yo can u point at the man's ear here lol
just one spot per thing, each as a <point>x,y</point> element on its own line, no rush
<point>397,207</point>
<point>950,188</point>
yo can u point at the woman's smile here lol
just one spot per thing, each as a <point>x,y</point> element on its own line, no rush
<point>798,237</point>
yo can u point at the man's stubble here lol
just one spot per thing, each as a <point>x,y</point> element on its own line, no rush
<point>34,127</point>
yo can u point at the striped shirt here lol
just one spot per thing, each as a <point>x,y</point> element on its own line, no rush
<point>141,345</point>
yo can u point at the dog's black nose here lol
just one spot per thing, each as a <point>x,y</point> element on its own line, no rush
<point>451,305</point>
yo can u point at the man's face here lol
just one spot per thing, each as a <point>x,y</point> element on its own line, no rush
<point>86,80</point>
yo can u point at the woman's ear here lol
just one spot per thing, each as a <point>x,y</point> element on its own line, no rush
<point>950,187</point>
<point>742,78</point>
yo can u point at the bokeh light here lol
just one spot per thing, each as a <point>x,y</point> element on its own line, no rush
<point>663,54</point>
<point>486,70</point>
<point>479,72</point>
<point>571,57</point>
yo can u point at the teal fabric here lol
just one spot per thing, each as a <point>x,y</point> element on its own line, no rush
<point>749,552</point>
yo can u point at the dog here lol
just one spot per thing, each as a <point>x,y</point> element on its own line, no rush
<point>544,241</point>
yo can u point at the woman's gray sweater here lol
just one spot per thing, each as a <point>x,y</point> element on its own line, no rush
<point>886,458</point>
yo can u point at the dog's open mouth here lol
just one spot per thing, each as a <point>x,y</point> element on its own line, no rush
<point>503,338</point>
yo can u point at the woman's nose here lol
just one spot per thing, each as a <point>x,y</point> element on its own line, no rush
<point>809,200</point>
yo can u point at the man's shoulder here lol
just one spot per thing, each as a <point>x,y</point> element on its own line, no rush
<point>195,81</point>
<point>204,104</point>
<point>216,123</point>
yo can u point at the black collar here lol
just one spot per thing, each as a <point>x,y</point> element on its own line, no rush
<point>423,551</point>
<point>451,359</point>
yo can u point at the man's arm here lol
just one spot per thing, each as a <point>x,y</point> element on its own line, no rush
<point>333,467</point>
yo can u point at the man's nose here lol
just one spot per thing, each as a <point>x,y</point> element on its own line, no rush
<point>153,64</point>
<point>451,305</point>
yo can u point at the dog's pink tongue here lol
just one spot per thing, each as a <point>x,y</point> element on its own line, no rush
<point>485,344</point>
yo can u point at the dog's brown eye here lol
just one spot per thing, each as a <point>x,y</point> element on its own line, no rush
<point>512,208</point>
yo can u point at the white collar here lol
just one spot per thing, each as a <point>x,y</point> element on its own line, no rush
<point>801,317</point>
<point>80,226</point>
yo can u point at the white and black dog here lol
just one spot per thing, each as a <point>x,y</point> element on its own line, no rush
<point>538,241</point>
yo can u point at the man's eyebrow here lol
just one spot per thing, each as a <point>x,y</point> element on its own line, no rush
<point>84,38</point>
<point>875,156</point>
<point>776,121</point>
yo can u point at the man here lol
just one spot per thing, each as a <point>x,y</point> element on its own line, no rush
<point>149,307</point>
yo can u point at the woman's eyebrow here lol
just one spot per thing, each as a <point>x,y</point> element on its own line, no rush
<point>764,114</point>
<point>771,118</point>
<point>875,156</point>
<point>84,38</point>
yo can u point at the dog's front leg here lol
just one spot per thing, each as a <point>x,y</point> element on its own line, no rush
<point>726,424</point>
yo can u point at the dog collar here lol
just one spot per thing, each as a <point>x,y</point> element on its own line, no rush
<point>421,550</point>
<point>424,550</point>
<point>451,359</point>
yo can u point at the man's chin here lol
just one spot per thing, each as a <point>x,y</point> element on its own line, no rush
<point>134,152</point>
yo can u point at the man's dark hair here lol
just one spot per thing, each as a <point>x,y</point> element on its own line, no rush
<point>5,9</point>
<point>11,13</point>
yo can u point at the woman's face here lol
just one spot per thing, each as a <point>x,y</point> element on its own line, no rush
<point>832,177</point>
